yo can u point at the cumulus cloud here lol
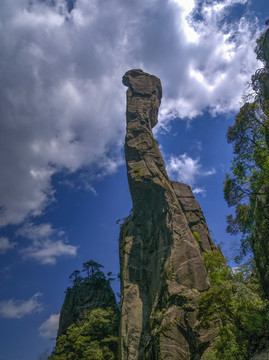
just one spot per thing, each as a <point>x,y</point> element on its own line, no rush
<point>49,327</point>
<point>47,245</point>
<point>5,244</point>
<point>62,102</point>
<point>16,309</point>
<point>185,169</point>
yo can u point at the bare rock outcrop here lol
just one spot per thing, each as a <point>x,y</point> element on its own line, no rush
<point>194,215</point>
<point>162,270</point>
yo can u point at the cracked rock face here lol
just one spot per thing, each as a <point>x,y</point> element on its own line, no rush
<point>162,271</point>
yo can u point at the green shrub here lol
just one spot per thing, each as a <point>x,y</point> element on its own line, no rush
<point>234,302</point>
<point>196,237</point>
<point>92,337</point>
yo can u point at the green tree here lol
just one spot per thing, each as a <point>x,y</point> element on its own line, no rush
<point>247,187</point>
<point>93,337</point>
<point>92,268</point>
<point>235,305</point>
<point>75,277</point>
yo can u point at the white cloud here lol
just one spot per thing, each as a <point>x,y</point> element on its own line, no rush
<point>49,328</point>
<point>185,169</point>
<point>5,244</point>
<point>36,232</point>
<point>62,102</point>
<point>198,190</point>
<point>47,251</point>
<point>48,244</point>
<point>16,309</point>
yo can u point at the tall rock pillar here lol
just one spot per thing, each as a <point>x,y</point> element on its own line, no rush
<point>162,271</point>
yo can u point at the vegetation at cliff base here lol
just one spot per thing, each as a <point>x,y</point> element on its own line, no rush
<point>92,337</point>
<point>237,302</point>
<point>235,305</point>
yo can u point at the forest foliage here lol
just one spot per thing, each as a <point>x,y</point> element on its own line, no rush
<point>94,274</point>
<point>247,187</point>
<point>235,306</point>
<point>94,334</point>
<point>237,302</point>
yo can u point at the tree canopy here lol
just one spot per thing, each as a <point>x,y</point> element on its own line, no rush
<point>234,304</point>
<point>93,337</point>
<point>247,187</point>
<point>91,267</point>
<point>94,274</point>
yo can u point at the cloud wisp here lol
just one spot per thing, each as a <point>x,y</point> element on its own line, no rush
<point>6,245</point>
<point>16,309</point>
<point>184,168</point>
<point>49,327</point>
<point>62,102</point>
<point>48,244</point>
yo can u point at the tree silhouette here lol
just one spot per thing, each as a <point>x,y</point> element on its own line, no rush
<point>75,277</point>
<point>91,267</point>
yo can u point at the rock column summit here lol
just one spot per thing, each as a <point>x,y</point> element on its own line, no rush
<point>161,242</point>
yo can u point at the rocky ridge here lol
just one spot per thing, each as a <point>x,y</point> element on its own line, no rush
<point>162,270</point>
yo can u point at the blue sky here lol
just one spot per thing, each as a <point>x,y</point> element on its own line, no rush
<point>63,181</point>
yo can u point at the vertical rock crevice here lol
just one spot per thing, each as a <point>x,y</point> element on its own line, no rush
<point>162,270</point>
